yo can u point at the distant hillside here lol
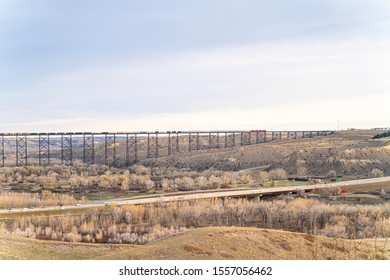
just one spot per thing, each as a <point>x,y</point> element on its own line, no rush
<point>351,152</point>
<point>354,159</point>
<point>348,152</point>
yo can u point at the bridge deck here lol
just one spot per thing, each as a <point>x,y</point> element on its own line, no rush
<point>205,195</point>
<point>126,148</point>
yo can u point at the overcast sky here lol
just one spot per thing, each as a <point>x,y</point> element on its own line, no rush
<point>92,65</point>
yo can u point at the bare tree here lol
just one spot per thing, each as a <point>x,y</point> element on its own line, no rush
<point>331,174</point>
<point>302,171</point>
<point>263,176</point>
<point>278,174</point>
<point>376,173</point>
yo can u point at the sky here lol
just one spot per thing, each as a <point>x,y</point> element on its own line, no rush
<point>83,65</point>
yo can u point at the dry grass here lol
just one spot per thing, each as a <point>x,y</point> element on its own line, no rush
<point>46,198</point>
<point>202,244</point>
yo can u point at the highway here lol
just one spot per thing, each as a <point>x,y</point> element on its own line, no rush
<point>200,195</point>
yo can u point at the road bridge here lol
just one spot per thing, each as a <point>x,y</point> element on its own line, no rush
<point>229,193</point>
<point>127,148</point>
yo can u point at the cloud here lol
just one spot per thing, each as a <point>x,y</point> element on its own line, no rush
<point>47,125</point>
<point>244,76</point>
<point>188,87</point>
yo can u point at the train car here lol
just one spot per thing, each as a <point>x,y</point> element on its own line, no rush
<point>16,133</point>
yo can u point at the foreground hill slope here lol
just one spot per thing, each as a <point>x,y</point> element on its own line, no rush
<point>204,243</point>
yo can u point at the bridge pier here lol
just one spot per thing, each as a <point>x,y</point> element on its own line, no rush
<point>230,140</point>
<point>192,142</point>
<point>156,153</point>
<point>214,140</point>
<point>222,201</point>
<point>2,154</point>
<point>245,138</point>
<point>169,144</point>
<point>131,148</point>
<point>173,143</point>
<point>44,149</point>
<point>110,149</point>
<point>152,145</point>
<point>226,140</point>
<point>21,150</point>
<point>88,148</point>
<point>66,149</point>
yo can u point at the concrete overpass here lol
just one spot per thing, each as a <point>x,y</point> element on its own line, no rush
<point>202,195</point>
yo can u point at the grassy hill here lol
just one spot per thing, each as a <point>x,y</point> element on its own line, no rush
<point>347,152</point>
<point>203,244</point>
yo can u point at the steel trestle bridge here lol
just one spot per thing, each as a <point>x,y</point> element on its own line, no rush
<point>127,148</point>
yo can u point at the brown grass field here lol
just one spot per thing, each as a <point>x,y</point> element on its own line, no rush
<point>216,243</point>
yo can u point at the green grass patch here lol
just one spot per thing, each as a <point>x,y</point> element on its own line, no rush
<point>114,195</point>
<point>353,196</point>
<point>368,187</point>
<point>284,183</point>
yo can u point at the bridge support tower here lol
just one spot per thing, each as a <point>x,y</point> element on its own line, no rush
<point>44,149</point>
<point>21,150</point>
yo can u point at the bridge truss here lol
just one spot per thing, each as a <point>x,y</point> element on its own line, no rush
<point>126,148</point>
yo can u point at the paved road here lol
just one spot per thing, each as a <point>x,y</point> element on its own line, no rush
<point>202,195</point>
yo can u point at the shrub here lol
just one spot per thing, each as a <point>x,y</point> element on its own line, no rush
<point>382,135</point>
<point>263,176</point>
<point>302,171</point>
<point>376,173</point>
<point>278,174</point>
<point>331,174</point>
